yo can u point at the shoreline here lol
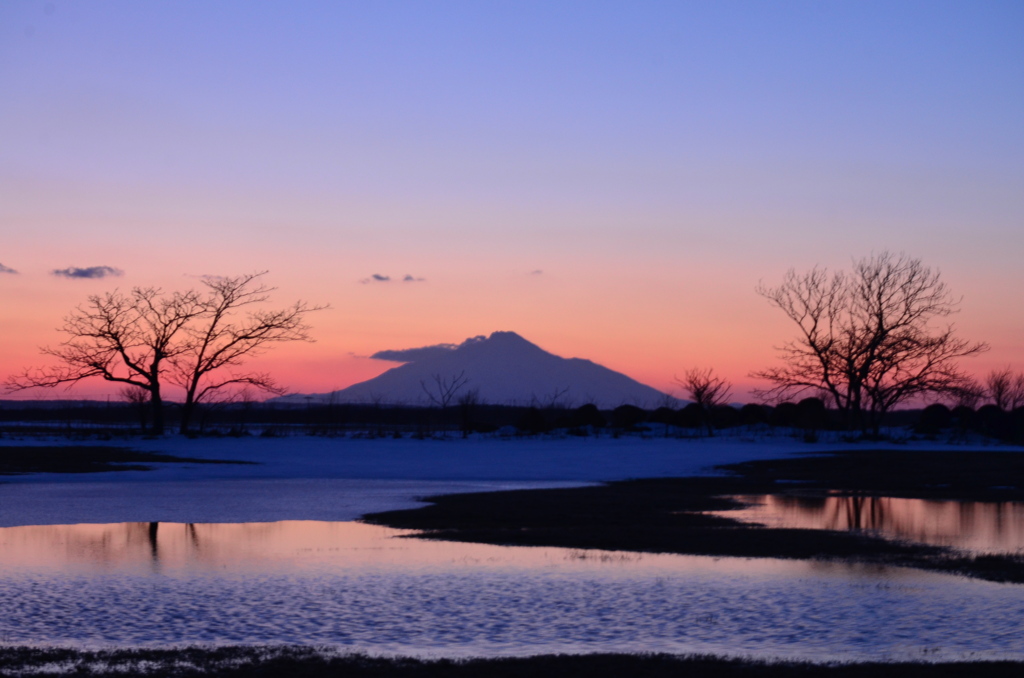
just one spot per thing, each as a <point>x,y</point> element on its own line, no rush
<point>637,514</point>
<point>669,515</point>
<point>22,460</point>
<point>259,662</point>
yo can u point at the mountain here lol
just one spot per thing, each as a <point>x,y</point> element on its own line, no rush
<point>503,369</point>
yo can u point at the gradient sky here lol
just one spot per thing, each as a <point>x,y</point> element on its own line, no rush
<point>609,179</point>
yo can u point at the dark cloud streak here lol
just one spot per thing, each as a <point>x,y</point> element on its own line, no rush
<point>409,355</point>
<point>90,272</point>
<point>381,278</point>
<point>5,269</point>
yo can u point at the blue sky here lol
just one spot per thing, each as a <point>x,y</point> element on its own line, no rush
<point>652,158</point>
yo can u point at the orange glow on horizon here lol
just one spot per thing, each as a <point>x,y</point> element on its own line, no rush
<point>650,321</point>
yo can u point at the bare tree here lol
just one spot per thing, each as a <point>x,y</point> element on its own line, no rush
<point>707,390</point>
<point>557,399</point>
<point>123,338</point>
<point>1005,388</point>
<point>139,399</point>
<point>1016,399</point>
<point>222,341</point>
<point>469,403</point>
<point>867,338</point>
<point>968,393</point>
<point>145,338</point>
<point>441,390</point>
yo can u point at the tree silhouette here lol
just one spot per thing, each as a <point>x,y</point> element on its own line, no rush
<point>124,338</point>
<point>934,419</point>
<point>708,391</point>
<point>441,390</point>
<point>469,403</point>
<point>146,338</point>
<point>221,340</point>
<point>753,414</point>
<point>867,338</point>
<point>1005,388</point>
<point>139,399</point>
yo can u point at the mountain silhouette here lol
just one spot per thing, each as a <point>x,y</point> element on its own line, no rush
<point>503,369</point>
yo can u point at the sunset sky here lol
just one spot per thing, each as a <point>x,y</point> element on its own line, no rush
<point>611,180</point>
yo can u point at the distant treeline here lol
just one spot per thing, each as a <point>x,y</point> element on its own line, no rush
<point>807,418</point>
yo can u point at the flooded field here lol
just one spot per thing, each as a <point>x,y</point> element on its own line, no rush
<point>369,588</point>
<point>977,527</point>
<point>184,556</point>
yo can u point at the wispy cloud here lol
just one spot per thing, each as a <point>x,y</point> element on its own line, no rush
<point>88,272</point>
<point>381,278</point>
<point>537,272</point>
<point>6,269</point>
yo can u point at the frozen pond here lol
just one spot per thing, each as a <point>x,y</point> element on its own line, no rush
<point>362,587</point>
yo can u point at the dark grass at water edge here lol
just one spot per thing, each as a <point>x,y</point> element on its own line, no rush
<point>667,515</point>
<point>17,460</point>
<point>306,662</point>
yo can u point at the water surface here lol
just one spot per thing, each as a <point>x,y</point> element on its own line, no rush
<point>979,527</point>
<point>368,588</point>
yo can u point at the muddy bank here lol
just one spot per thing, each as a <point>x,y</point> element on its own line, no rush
<point>252,662</point>
<point>666,515</point>
<point>91,459</point>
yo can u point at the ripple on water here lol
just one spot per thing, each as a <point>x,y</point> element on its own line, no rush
<point>359,587</point>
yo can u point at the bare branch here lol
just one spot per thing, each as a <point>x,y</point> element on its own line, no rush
<point>707,390</point>
<point>866,338</point>
<point>442,390</point>
<point>1005,388</point>
<point>146,338</point>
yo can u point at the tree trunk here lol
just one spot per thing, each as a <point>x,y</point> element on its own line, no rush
<point>876,424</point>
<point>157,404</point>
<point>142,418</point>
<point>708,425</point>
<point>188,408</point>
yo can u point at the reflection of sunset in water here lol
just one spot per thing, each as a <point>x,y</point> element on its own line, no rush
<point>357,588</point>
<point>196,545</point>
<point>303,545</point>
<point>983,527</point>
<point>298,546</point>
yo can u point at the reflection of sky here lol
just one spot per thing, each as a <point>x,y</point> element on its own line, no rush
<point>352,587</point>
<point>301,545</point>
<point>655,161</point>
<point>989,527</point>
